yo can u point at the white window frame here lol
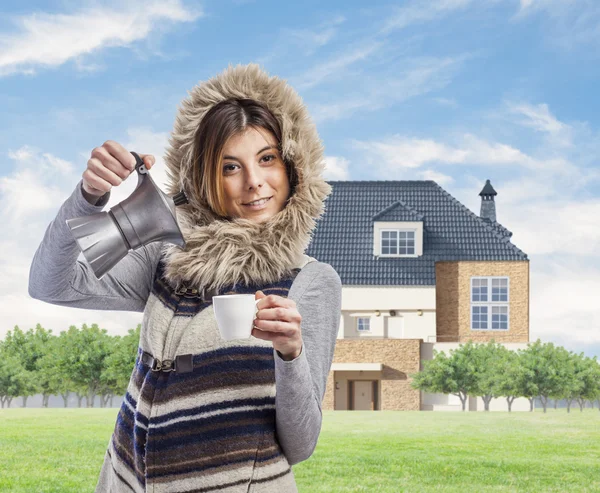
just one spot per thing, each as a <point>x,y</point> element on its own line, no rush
<point>358,319</point>
<point>489,303</point>
<point>398,230</point>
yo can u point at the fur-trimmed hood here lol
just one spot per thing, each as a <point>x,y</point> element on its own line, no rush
<point>221,252</point>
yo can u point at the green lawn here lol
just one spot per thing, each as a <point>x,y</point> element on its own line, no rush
<point>61,450</point>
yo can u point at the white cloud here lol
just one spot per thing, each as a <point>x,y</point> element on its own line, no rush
<point>336,168</point>
<point>525,4</point>
<point>446,102</point>
<point>302,41</point>
<point>551,225</point>
<point>541,119</point>
<point>34,187</point>
<point>566,24</point>
<point>439,178</point>
<point>422,76</point>
<point>335,67</point>
<point>309,40</point>
<point>417,12</point>
<point>406,152</point>
<point>564,292</point>
<point>29,199</point>
<point>49,40</point>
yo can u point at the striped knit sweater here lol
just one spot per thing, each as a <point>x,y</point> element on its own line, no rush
<point>209,429</point>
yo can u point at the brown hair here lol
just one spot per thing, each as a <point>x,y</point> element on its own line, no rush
<point>224,120</point>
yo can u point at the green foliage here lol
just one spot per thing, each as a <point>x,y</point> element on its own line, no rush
<point>87,361</point>
<point>119,363</point>
<point>447,375</point>
<point>491,371</point>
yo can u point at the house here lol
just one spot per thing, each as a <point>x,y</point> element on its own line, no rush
<point>419,272</point>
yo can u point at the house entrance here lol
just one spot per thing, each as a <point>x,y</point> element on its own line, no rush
<point>362,395</point>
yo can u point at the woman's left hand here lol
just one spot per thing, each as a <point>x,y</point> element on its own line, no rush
<point>278,320</point>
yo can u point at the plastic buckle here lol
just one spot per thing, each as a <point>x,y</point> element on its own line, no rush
<point>187,292</point>
<point>181,364</point>
<point>156,365</point>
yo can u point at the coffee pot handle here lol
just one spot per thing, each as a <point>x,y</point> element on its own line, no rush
<point>178,199</point>
<point>140,167</point>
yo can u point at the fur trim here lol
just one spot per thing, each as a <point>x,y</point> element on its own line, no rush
<point>222,252</point>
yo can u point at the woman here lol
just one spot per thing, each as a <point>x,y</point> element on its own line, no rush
<point>238,414</point>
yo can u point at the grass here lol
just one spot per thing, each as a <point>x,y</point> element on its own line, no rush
<point>61,450</point>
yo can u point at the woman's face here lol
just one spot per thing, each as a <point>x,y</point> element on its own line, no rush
<point>252,169</point>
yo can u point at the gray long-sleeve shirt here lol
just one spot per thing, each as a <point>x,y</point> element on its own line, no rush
<point>57,277</point>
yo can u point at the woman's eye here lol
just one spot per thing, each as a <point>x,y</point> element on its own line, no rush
<point>269,155</point>
<point>225,168</point>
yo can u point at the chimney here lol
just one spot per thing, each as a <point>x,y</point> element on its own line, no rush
<point>488,206</point>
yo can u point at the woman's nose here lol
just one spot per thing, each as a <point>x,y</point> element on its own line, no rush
<point>254,176</point>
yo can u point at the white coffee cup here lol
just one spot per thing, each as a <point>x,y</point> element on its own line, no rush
<point>235,314</point>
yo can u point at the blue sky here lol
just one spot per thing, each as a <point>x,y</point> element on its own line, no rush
<point>457,91</point>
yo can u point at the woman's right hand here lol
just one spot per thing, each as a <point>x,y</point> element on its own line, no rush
<point>109,165</point>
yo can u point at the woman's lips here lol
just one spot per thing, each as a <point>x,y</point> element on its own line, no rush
<point>259,206</point>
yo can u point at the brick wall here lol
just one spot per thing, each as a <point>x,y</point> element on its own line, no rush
<point>453,300</point>
<point>399,357</point>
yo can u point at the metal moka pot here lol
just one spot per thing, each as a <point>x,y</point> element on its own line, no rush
<point>147,215</point>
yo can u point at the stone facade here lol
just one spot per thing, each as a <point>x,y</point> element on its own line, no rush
<point>453,300</point>
<point>399,357</point>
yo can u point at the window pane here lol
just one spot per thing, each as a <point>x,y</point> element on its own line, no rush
<point>479,317</point>
<point>500,317</point>
<point>483,294</point>
<point>483,317</point>
<point>495,294</point>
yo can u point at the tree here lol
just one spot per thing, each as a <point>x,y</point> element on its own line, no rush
<point>488,361</point>
<point>54,367</point>
<point>573,366</point>
<point>15,380</point>
<point>82,358</point>
<point>511,376</point>
<point>545,371</point>
<point>456,374</point>
<point>590,378</point>
<point>29,347</point>
<point>119,364</point>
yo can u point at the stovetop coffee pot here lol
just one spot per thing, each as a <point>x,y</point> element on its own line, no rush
<point>147,215</point>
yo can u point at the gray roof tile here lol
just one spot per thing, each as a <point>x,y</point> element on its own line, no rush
<point>344,234</point>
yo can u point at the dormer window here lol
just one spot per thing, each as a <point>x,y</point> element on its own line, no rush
<point>397,242</point>
<point>398,239</point>
<point>398,231</point>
